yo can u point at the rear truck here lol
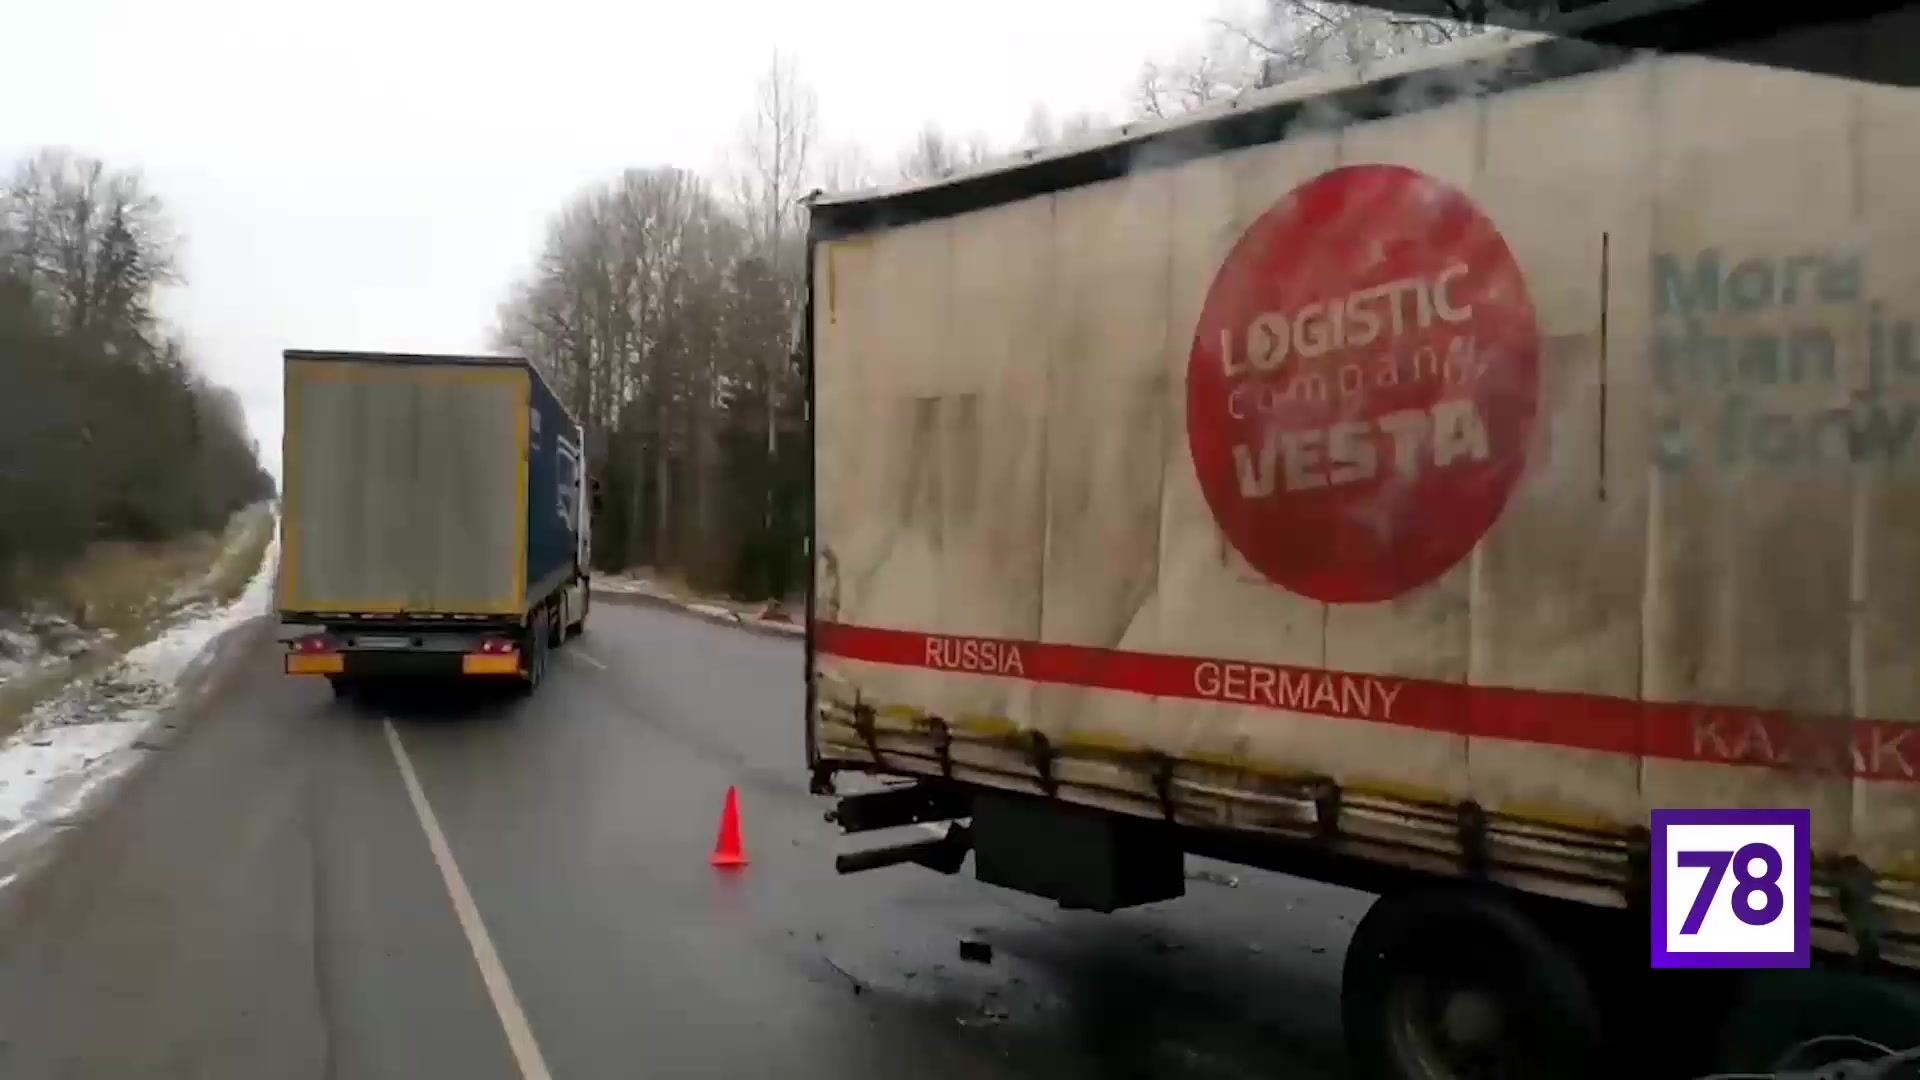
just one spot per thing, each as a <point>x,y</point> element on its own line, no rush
<point>1410,482</point>
<point>436,519</point>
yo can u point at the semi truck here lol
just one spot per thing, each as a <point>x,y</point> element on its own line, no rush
<point>436,519</point>
<point>1415,479</point>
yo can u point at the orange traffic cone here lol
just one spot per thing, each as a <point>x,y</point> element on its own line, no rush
<point>729,851</point>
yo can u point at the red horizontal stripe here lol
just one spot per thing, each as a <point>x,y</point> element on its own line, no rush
<point>1677,731</point>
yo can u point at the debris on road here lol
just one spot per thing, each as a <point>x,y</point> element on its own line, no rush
<point>1214,877</point>
<point>976,951</point>
<point>988,1014</point>
<point>853,981</point>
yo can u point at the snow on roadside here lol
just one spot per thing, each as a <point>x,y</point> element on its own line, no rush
<point>39,640</point>
<point>770,617</point>
<point>713,611</point>
<point>79,739</point>
<point>622,583</point>
<point>20,652</point>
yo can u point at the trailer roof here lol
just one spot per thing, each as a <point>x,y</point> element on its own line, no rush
<point>434,360</point>
<point>1595,39</point>
<point>407,358</point>
<point>1316,85</point>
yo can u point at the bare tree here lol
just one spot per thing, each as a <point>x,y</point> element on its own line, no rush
<point>94,241</point>
<point>777,149</point>
<point>845,167</point>
<point>776,160</point>
<point>107,431</point>
<point>636,308</point>
<point>1042,131</point>
<point>660,308</point>
<point>935,154</point>
<point>1197,79</point>
<point>930,157</point>
<point>1271,41</point>
<point>664,313</point>
<point>1080,126</point>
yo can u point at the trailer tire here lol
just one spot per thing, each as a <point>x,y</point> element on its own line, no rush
<point>343,687</point>
<point>1803,1020</point>
<point>1434,979</point>
<point>538,638</point>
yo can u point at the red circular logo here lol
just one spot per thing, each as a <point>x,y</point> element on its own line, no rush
<point>1363,383</point>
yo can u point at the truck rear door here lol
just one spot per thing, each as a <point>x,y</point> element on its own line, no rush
<point>406,487</point>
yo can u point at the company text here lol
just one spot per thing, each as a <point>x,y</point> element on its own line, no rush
<point>1363,697</point>
<point>1770,362</point>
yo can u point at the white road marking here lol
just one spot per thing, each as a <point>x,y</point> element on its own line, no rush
<point>588,657</point>
<point>526,1052</point>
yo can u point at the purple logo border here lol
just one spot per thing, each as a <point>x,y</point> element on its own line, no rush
<point>1800,910</point>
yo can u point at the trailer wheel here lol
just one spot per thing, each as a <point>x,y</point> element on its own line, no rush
<point>1454,984</point>
<point>1803,1020</point>
<point>537,645</point>
<point>343,687</point>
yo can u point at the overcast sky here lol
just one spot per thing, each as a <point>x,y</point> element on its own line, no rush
<point>371,175</point>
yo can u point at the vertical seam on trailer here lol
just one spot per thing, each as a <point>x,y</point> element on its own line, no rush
<point>289,580</point>
<point>806,344</point>
<point>1606,300</point>
<point>523,412</point>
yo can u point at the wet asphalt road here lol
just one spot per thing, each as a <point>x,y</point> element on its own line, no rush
<point>262,901</point>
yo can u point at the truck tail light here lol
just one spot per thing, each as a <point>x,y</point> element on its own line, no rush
<point>495,656</point>
<point>315,654</point>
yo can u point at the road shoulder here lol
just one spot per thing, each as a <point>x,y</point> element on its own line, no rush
<point>639,594</point>
<point>29,847</point>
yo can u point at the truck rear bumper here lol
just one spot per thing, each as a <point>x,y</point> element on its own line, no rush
<point>383,665</point>
<point>402,653</point>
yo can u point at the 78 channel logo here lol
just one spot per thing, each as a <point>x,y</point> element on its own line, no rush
<point>1730,888</point>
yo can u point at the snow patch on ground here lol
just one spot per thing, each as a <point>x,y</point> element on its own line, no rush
<point>78,740</point>
<point>771,617</point>
<point>620,583</point>
<point>20,652</point>
<point>40,640</point>
<point>36,766</point>
<point>713,611</point>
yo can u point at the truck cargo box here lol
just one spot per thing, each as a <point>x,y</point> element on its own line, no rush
<point>1450,466</point>
<point>424,486</point>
